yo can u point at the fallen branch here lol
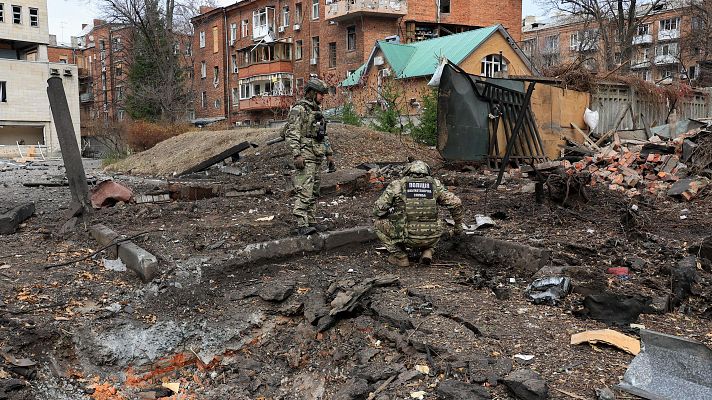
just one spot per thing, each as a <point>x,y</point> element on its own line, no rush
<point>381,388</point>
<point>53,305</point>
<point>92,254</point>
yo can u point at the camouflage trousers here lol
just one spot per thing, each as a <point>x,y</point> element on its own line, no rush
<point>393,238</point>
<point>306,186</point>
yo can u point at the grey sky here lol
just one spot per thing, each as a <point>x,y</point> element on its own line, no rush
<point>67,16</point>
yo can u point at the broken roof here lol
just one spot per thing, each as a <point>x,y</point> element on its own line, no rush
<point>421,58</point>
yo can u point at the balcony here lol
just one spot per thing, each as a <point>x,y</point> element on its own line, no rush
<point>640,64</point>
<point>86,97</point>
<point>347,9</point>
<point>550,50</point>
<point>642,39</point>
<point>265,68</point>
<point>665,59</point>
<point>669,34</point>
<point>260,31</point>
<point>257,103</point>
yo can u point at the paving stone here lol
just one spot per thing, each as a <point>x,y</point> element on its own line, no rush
<point>139,261</point>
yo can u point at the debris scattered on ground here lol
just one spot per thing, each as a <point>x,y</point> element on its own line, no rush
<point>549,290</point>
<point>610,337</point>
<point>108,193</point>
<point>527,385</point>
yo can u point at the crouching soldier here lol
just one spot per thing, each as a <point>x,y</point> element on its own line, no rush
<point>407,214</point>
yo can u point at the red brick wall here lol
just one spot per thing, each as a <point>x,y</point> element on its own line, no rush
<point>212,59</point>
<point>56,54</point>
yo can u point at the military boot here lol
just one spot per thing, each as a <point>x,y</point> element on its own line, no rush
<point>427,256</point>
<point>399,259</point>
<point>305,230</point>
<point>320,227</point>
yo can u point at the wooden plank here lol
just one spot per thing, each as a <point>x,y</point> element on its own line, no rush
<point>232,151</point>
<point>577,149</point>
<point>621,115</point>
<point>586,139</point>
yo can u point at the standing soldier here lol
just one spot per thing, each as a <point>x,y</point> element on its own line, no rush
<point>407,214</point>
<point>306,136</point>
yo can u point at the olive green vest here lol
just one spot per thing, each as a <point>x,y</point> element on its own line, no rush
<point>421,208</point>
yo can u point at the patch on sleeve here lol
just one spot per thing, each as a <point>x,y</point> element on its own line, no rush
<point>419,190</point>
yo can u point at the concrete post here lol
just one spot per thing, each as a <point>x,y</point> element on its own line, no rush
<point>69,146</point>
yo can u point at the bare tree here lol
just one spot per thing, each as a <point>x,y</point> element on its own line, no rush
<point>617,22</point>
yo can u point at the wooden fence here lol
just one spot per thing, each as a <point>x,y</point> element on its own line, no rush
<point>610,100</point>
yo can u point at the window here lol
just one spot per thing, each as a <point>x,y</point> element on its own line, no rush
<point>119,93</point>
<point>2,12</point>
<point>176,48</point>
<point>202,39</point>
<point>245,92</point>
<point>315,48</point>
<point>351,38</point>
<point>285,16</point>
<point>298,13</point>
<point>445,6</point>
<point>332,55</point>
<point>120,115</point>
<point>645,75</point>
<point>643,29</point>
<point>34,18</point>
<point>574,41</point>
<point>203,70</point>
<point>233,33</point>
<point>298,50</point>
<point>63,59</point>
<point>551,44</point>
<point>671,24</point>
<point>235,96</point>
<point>204,99</point>
<point>216,104</point>
<point>493,64</point>
<point>216,40</point>
<point>3,92</point>
<point>216,74</point>
<point>692,72</point>
<point>245,28</point>
<point>16,14</point>
<point>189,49</point>
<point>233,59</point>
<point>315,9</point>
<point>119,70</point>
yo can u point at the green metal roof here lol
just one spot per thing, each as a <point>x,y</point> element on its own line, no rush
<point>421,58</point>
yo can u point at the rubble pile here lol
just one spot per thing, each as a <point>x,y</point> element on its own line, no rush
<point>677,167</point>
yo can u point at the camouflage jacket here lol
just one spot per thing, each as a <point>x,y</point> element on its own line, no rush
<point>411,204</point>
<point>301,132</point>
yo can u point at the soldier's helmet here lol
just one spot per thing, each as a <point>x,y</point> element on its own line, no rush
<point>418,168</point>
<point>316,85</point>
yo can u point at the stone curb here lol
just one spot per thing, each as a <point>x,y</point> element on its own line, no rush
<point>522,257</point>
<point>138,260</point>
<point>10,220</point>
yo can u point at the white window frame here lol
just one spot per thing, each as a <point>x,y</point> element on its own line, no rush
<point>35,19</point>
<point>245,90</point>
<point>19,16</point>
<point>233,60</point>
<point>350,45</point>
<point>216,75</point>
<point>2,12</point>
<point>574,41</point>
<point>202,39</point>
<point>315,9</point>
<point>233,33</point>
<point>203,70</point>
<point>204,99</point>
<point>490,64</point>
<point>245,28</point>
<point>216,103</point>
<point>670,24</point>
<point>315,47</point>
<point>285,16</point>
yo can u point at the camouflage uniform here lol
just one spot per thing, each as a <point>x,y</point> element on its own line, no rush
<point>407,212</point>
<point>301,136</point>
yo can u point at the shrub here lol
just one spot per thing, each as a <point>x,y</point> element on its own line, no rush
<point>143,135</point>
<point>349,115</point>
<point>427,131</point>
<point>387,113</point>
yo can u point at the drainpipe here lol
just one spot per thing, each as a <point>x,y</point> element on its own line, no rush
<point>226,95</point>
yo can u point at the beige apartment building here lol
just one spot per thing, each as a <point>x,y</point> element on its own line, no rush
<point>26,122</point>
<point>659,52</point>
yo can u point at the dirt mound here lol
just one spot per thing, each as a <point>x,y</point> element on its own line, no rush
<point>352,146</point>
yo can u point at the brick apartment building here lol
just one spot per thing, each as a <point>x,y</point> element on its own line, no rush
<point>659,54</point>
<point>252,58</point>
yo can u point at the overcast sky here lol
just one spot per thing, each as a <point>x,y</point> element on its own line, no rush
<point>67,16</point>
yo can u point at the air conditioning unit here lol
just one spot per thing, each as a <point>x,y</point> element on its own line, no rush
<point>281,29</point>
<point>378,60</point>
<point>313,61</point>
<point>297,27</point>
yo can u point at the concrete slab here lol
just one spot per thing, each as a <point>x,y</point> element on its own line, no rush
<point>359,234</point>
<point>104,235</point>
<point>143,263</point>
<point>10,220</point>
<point>520,256</point>
<point>344,181</point>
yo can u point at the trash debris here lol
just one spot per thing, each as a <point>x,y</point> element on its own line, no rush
<point>614,309</point>
<point>669,367</point>
<point>610,337</point>
<point>423,369</point>
<point>114,265</point>
<point>108,193</point>
<point>264,219</point>
<point>420,395</point>
<point>618,271</point>
<point>549,290</point>
<point>527,385</point>
<point>173,386</point>
<point>482,221</point>
<point>524,357</point>
<point>18,362</point>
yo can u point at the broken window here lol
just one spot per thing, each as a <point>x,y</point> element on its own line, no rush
<point>233,33</point>
<point>643,29</point>
<point>203,70</point>
<point>204,99</point>
<point>202,39</point>
<point>16,14</point>
<point>445,6</point>
<point>233,59</point>
<point>671,24</point>
<point>3,92</point>
<point>493,65</point>
<point>351,38</point>
<point>216,74</point>
<point>332,55</point>
<point>298,13</point>
<point>34,18</point>
<point>244,28</point>
<point>315,50</point>
<point>285,16</point>
<point>315,9</point>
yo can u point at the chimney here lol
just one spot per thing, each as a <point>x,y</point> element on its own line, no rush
<point>98,22</point>
<point>206,9</point>
<point>52,40</point>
